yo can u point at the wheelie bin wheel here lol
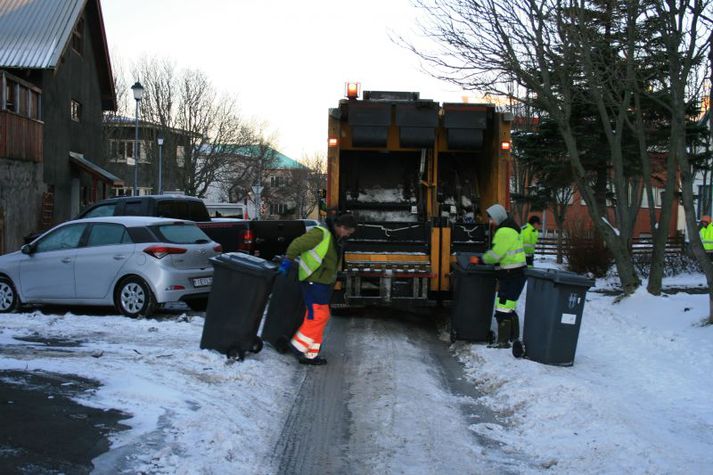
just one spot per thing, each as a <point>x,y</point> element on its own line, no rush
<point>281,345</point>
<point>518,349</point>
<point>236,353</point>
<point>257,345</point>
<point>454,336</point>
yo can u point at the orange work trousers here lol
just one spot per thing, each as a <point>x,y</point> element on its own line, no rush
<point>309,336</point>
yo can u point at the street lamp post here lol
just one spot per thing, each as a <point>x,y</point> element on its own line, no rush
<point>160,165</point>
<point>138,91</point>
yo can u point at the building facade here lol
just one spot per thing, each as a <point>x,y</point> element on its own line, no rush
<point>57,80</point>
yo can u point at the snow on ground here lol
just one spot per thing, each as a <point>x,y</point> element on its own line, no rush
<point>193,413</point>
<point>637,400</point>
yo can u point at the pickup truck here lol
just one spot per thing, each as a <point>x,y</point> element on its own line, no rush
<point>265,239</point>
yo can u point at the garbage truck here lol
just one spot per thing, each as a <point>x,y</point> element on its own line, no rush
<point>418,175</point>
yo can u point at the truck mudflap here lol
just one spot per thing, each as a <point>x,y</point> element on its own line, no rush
<point>381,281</point>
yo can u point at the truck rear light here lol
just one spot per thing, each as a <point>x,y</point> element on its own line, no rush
<point>246,241</point>
<point>352,90</point>
<point>218,249</point>
<point>505,145</point>
<point>159,252</point>
<point>333,142</point>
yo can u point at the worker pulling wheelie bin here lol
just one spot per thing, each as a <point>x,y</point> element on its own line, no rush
<point>241,287</point>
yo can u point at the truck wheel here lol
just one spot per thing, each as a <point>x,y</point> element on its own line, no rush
<point>257,345</point>
<point>9,300</point>
<point>134,298</point>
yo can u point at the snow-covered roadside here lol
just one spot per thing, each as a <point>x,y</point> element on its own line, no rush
<point>193,412</point>
<point>637,400</point>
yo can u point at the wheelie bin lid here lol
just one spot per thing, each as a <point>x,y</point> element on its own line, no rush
<point>241,262</point>
<point>560,277</point>
<point>463,264</point>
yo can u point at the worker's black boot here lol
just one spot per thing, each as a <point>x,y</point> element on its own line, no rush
<point>316,361</point>
<point>514,327</point>
<point>504,329</point>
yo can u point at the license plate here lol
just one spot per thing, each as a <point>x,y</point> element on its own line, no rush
<point>202,281</point>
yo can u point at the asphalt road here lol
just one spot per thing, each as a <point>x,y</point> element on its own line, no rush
<point>43,431</point>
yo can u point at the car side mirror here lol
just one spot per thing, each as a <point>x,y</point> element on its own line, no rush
<point>27,249</point>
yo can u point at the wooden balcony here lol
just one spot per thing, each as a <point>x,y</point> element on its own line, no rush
<point>20,137</point>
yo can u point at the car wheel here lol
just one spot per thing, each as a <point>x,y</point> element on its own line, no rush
<point>198,305</point>
<point>9,300</point>
<point>134,298</point>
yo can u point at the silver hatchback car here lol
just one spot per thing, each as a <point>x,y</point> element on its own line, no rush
<point>133,263</point>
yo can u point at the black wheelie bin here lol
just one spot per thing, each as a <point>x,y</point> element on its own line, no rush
<point>473,300</point>
<point>553,315</point>
<point>285,312</point>
<point>241,287</point>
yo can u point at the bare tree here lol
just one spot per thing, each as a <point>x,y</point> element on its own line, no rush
<point>187,101</point>
<point>307,184</point>
<point>548,47</point>
<point>248,166</point>
<point>685,33</point>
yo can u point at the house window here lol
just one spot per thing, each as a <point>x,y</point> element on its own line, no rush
<point>76,110</point>
<point>34,112</point>
<point>180,156</point>
<point>78,37</point>
<point>278,208</point>
<point>22,105</point>
<point>10,99</point>
<point>278,181</point>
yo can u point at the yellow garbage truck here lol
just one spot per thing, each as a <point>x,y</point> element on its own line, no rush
<point>418,176</point>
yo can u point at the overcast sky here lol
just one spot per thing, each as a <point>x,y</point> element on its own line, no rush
<point>287,61</point>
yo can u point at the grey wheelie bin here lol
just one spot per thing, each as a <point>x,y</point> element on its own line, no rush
<point>285,312</point>
<point>473,300</point>
<point>553,315</point>
<point>241,287</point>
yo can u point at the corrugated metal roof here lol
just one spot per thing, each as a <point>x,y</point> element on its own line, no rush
<point>33,33</point>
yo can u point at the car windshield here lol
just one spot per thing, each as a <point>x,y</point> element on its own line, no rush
<point>180,233</point>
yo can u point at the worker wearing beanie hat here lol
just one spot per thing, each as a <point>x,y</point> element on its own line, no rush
<point>508,255</point>
<point>706,234</point>
<point>318,254</point>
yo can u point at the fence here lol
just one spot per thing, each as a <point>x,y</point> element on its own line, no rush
<point>644,245</point>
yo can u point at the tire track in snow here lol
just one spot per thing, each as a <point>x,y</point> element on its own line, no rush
<point>387,402</point>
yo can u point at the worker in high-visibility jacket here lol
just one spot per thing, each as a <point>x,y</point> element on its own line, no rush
<point>530,234</point>
<point>318,253</point>
<point>706,234</point>
<point>508,255</point>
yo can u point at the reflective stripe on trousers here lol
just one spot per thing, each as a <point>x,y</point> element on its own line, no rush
<point>308,338</point>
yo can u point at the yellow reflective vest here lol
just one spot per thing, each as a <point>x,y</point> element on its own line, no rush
<point>530,235</point>
<point>507,250</point>
<point>707,237</point>
<point>312,259</point>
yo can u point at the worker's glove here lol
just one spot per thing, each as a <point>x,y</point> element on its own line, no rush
<point>475,260</point>
<point>285,265</point>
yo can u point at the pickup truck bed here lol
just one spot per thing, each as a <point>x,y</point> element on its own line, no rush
<point>260,238</point>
